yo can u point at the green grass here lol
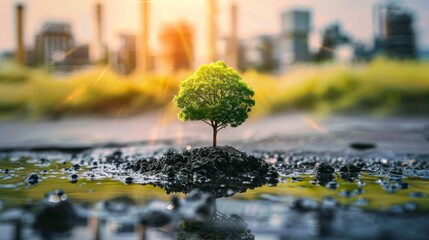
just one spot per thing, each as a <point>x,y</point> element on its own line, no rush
<point>382,87</point>
<point>98,91</point>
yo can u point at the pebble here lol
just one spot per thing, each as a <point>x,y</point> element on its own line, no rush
<point>128,180</point>
<point>332,185</point>
<point>73,178</point>
<point>32,179</point>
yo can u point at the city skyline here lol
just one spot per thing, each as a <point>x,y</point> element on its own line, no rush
<point>122,17</point>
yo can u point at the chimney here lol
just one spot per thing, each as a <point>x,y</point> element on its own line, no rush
<point>20,50</point>
<point>144,51</point>
<point>212,30</point>
<point>99,50</point>
<point>233,51</point>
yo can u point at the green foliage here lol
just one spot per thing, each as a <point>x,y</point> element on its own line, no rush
<point>215,94</point>
<point>381,87</point>
<point>12,73</point>
<point>35,94</point>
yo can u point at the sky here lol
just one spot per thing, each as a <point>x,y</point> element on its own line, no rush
<point>256,17</point>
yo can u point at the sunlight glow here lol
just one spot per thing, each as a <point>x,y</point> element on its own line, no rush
<point>314,125</point>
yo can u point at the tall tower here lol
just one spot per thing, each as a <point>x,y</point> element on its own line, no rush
<point>212,31</point>
<point>233,51</point>
<point>294,36</point>
<point>99,31</point>
<point>20,50</point>
<point>143,45</point>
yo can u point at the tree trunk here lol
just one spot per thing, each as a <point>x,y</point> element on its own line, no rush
<point>214,136</point>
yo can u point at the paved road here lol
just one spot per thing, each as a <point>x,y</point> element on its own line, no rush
<point>280,132</point>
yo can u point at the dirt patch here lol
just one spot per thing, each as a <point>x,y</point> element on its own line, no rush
<point>217,170</point>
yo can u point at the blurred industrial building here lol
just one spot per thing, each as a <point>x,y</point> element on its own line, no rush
<point>55,46</point>
<point>124,61</point>
<point>274,53</point>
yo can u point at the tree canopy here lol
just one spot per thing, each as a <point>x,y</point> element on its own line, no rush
<point>216,95</point>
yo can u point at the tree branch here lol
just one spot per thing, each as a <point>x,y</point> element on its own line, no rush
<point>205,121</point>
<point>222,126</point>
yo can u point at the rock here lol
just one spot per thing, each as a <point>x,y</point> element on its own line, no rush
<point>115,157</point>
<point>324,173</point>
<point>296,179</point>
<point>349,172</point>
<point>76,167</point>
<point>32,179</point>
<point>362,146</point>
<point>350,168</point>
<point>128,180</point>
<point>55,216</point>
<point>56,196</point>
<point>404,185</point>
<point>73,178</point>
<point>332,185</point>
<point>324,168</point>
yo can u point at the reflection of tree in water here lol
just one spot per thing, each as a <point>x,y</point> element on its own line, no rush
<point>196,217</point>
<point>206,174</point>
<point>219,226</point>
<point>200,219</point>
<point>199,216</point>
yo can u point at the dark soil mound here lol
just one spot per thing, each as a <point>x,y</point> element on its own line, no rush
<point>205,168</point>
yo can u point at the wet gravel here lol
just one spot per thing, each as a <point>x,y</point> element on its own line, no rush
<point>224,172</point>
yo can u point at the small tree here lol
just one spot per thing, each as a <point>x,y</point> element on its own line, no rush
<point>216,95</point>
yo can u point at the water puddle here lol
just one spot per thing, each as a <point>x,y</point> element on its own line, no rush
<point>97,193</point>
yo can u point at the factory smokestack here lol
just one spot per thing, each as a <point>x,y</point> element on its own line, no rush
<point>144,51</point>
<point>20,50</point>
<point>212,30</point>
<point>99,49</point>
<point>233,53</point>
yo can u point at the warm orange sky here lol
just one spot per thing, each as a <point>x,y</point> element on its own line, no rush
<point>255,17</point>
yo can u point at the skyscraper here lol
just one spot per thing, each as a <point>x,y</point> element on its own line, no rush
<point>293,41</point>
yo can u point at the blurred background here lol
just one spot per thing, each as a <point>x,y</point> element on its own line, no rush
<point>118,58</point>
